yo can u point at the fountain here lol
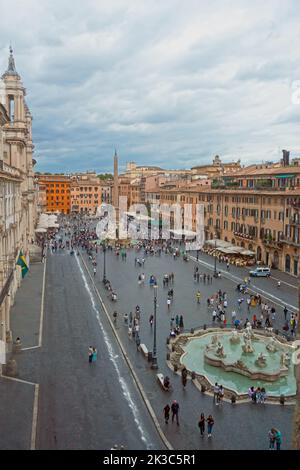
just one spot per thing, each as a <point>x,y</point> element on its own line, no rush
<point>240,359</point>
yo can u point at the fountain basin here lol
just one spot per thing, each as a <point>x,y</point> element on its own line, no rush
<point>275,377</point>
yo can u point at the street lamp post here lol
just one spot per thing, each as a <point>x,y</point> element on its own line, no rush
<point>215,267</point>
<point>104,262</point>
<point>154,357</point>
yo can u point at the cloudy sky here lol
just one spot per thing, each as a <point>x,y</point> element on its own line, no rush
<point>169,83</point>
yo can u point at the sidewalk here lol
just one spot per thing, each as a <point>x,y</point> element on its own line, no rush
<point>17,395</point>
<point>26,311</point>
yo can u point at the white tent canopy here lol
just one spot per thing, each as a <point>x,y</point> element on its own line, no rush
<point>47,221</point>
<point>218,243</point>
<point>228,248</point>
<point>184,232</point>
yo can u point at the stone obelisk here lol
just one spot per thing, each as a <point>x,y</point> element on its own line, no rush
<point>116,191</point>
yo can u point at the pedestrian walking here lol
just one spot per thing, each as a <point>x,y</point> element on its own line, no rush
<point>216,393</point>
<point>285,311</point>
<point>181,324</point>
<point>271,436</point>
<point>175,411</point>
<point>201,424</point>
<point>167,413</point>
<point>184,374</point>
<point>214,314</point>
<point>90,354</point>
<point>278,438</point>
<point>210,424</point>
<point>220,395</point>
<point>95,271</point>
<point>94,355</point>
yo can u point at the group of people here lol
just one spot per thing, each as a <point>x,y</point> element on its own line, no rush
<point>174,408</point>
<point>275,439</point>
<point>218,394</point>
<point>257,395</point>
<point>202,277</point>
<point>178,327</point>
<point>92,354</point>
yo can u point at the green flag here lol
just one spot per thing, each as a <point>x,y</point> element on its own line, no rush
<point>22,262</point>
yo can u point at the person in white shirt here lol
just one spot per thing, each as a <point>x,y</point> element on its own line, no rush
<point>216,393</point>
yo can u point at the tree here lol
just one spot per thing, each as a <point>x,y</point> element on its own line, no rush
<point>105,176</point>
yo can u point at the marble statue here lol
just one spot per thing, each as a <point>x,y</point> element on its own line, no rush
<point>271,346</point>
<point>234,338</point>
<point>261,360</point>
<point>247,346</point>
<point>220,350</point>
<point>214,339</point>
<point>285,359</point>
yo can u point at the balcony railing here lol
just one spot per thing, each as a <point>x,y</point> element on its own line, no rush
<point>272,243</point>
<point>290,241</point>
<point>246,236</point>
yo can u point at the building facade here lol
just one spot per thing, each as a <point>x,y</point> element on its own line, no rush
<point>87,193</point>
<point>58,193</point>
<point>17,190</point>
<point>77,193</point>
<point>265,221</point>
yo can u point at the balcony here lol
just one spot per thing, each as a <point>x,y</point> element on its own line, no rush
<point>245,236</point>
<point>290,241</point>
<point>273,243</point>
<point>293,221</point>
<point>295,204</point>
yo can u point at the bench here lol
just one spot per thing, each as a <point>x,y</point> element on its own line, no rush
<point>160,379</point>
<point>143,349</point>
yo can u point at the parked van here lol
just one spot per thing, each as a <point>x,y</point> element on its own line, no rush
<point>261,272</point>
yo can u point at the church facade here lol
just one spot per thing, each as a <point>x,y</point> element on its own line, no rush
<point>17,191</point>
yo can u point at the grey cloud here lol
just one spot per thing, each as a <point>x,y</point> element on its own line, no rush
<point>171,83</point>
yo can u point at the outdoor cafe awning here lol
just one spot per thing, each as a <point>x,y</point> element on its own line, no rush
<point>218,243</point>
<point>185,233</point>
<point>247,253</point>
